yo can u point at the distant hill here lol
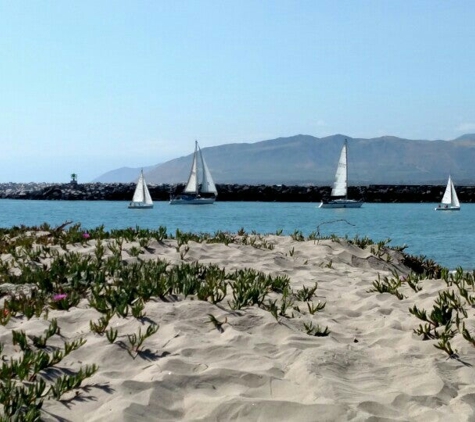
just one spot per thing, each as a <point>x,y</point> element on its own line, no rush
<point>122,175</point>
<point>304,159</point>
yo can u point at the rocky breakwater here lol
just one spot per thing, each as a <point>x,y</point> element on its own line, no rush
<point>264,193</point>
<point>371,193</point>
<point>79,192</point>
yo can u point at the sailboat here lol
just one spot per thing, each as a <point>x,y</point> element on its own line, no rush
<point>339,197</point>
<point>142,199</point>
<point>450,201</point>
<point>200,188</point>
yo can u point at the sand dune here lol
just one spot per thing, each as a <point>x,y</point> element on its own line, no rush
<point>371,367</point>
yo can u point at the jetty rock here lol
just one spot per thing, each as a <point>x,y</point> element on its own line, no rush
<point>232,192</point>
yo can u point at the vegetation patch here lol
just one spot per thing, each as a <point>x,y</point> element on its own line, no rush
<point>50,275</point>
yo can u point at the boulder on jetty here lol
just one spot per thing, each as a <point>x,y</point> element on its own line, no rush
<point>233,192</point>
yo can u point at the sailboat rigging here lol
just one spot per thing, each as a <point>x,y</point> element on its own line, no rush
<point>339,194</point>
<point>450,201</point>
<point>200,188</point>
<point>141,199</point>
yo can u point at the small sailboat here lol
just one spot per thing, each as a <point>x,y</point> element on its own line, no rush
<point>339,197</point>
<point>450,201</point>
<point>142,199</point>
<point>200,188</point>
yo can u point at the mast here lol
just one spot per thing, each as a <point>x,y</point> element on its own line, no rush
<point>143,186</point>
<point>199,179</point>
<point>197,183</point>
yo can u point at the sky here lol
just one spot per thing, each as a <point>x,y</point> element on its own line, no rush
<point>91,86</point>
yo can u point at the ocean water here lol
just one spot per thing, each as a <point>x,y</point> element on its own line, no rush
<point>446,237</point>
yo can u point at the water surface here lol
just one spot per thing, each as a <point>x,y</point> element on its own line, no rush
<point>443,236</point>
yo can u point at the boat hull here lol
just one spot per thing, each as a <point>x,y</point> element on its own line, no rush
<point>140,206</point>
<point>341,203</point>
<point>447,208</point>
<point>192,201</point>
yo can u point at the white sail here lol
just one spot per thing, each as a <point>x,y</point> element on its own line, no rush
<point>141,195</point>
<point>455,199</point>
<point>447,198</point>
<point>341,177</point>
<point>450,196</point>
<point>192,185</point>
<point>207,183</point>
<point>148,198</point>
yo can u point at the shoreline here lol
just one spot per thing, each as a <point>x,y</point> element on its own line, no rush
<point>233,192</point>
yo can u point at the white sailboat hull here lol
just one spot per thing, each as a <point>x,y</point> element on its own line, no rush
<point>447,208</point>
<point>191,201</point>
<point>341,203</point>
<point>140,206</point>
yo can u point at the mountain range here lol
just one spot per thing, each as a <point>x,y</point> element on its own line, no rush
<point>305,159</point>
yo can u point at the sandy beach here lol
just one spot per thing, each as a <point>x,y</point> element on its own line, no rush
<point>355,357</point>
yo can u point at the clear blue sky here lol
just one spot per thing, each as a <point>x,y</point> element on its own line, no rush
<point>91,86</point>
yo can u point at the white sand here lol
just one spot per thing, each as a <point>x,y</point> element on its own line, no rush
<point>372,367</point>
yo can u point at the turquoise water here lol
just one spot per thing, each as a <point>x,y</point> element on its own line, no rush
<point>445,237</point>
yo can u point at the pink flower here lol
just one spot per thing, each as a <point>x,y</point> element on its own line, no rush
<point>86,235</point>
<point>60,296</point>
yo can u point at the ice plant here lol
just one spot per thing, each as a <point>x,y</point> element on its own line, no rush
<point>86,235</point>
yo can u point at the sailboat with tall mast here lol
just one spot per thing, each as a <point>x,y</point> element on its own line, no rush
<point>450,200</point>
<point>200,188</point>
<point>141,199</point>
<point>339,194</point>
